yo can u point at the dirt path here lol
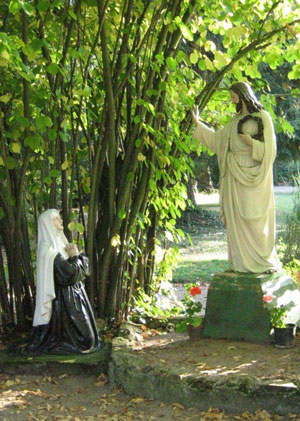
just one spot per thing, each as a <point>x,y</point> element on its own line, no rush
<point>67,397</point>
<point>85,398</point>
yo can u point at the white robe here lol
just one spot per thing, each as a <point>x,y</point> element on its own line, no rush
<point>246,192</point>
<point>50,243</point>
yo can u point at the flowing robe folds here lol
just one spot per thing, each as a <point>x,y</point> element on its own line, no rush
<point>246,191</point>
<point>72,327</point>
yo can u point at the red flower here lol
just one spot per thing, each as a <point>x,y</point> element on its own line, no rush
<point>267,298</point>
<point>195,290</point>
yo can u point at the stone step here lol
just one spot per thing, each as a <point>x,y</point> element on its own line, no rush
<point>59,364</point>
<point>139,376</point>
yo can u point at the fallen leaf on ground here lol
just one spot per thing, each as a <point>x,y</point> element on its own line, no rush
<point>178,405</point>
<point>101,380</point>
<point>138,400</point>
<point>9,383</point>
<point>37,392</point>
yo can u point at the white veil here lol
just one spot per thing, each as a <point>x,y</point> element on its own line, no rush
<point>50,243</point>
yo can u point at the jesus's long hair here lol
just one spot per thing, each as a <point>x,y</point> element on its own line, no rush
<point>245,93</point>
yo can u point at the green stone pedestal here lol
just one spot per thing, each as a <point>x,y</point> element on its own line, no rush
<point>235,309</point>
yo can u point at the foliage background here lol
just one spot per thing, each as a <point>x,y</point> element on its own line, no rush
<point>95,106</point>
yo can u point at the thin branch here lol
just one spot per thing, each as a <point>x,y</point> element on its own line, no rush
<point>266,17</point>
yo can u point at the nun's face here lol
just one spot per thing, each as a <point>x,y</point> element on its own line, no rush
<point>57,222</point>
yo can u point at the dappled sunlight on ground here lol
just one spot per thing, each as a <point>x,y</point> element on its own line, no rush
<point>209,357</point>
<point>89,398</point>
<point>77,398</point>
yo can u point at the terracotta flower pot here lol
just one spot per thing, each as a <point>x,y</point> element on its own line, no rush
<point>284,336</point>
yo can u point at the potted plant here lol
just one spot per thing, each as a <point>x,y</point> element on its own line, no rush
<point>284,333</point>
<point>191,312</point>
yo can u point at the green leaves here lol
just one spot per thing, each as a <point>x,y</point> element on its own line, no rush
<point>76,226</point>
<point>16,5</point>
<point>5,98</point>
<point>295,72</point>
<point>43,122</point>
<point>171,63</point>
<point>54,173</point>
<point>221,60</point>
<point>186,32</point>
<point>234,34</point>
<point>147,105</point>
<point>15,147</point>
<point>10,163</point>
<point>43,5</point>
<point>33,142</point>
<point>52,68</point>
<point>121,214</point>
<point>65,165</point>
<point>194,57</point>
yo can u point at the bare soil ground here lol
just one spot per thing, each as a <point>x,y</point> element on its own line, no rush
<point>86,398</point>
<point>208,357</point>
<point>67,397</point>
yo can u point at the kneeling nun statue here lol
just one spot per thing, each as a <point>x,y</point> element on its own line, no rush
<point>63,320</point>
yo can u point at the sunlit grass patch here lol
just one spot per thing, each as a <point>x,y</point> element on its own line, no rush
<point>191,270</point>
<point>283,205</point>
<point>208,253</point>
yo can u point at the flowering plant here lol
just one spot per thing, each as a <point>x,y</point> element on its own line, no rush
<point>191,309</point>
<point>277,314</point>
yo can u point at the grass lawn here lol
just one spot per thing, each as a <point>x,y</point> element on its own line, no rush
<point>208,254</point>
<point>283,206</point>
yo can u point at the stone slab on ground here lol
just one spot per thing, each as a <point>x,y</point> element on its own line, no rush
<point>96,362</point>
<point>209,373</point>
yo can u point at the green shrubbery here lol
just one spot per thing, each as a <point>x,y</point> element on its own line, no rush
<point>291,235</point>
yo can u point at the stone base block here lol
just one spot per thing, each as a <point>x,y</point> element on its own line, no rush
<point>235,308</point>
